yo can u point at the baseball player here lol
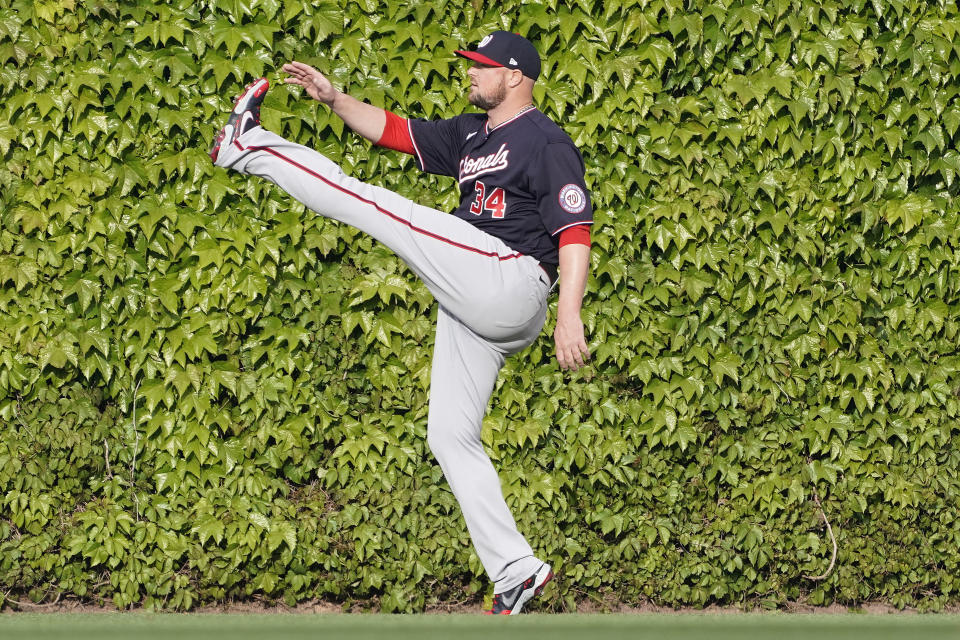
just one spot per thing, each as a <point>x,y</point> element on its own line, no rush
<point>524,216</point>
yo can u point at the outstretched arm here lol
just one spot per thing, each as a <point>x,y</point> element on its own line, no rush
<point>568,336</point>
<point>365,119</point>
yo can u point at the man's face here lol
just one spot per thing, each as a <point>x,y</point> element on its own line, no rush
<point>488,85</point>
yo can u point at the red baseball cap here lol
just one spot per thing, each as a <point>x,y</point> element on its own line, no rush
<point>506,49</point>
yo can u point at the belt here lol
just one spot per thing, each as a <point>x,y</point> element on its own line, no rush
<point>550,270</point>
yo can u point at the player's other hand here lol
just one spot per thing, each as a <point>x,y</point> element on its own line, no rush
<point>316,84</point>
<point>568,336</point>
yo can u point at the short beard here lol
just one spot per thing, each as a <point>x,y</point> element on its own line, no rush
<point>491,101</point>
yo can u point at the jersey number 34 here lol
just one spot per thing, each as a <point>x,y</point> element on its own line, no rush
<point>495,202</point>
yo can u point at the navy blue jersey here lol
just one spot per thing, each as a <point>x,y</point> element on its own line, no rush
<point>521,182</point>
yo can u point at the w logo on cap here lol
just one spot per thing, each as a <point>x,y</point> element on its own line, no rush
<point>506,49</point>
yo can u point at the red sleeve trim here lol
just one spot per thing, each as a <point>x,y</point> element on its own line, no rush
<point>396,134</point>
<point>579,234</point>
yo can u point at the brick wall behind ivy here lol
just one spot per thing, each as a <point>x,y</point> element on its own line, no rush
<point>207,394</point>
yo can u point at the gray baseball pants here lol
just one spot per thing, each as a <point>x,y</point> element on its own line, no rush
<point>492,304</point>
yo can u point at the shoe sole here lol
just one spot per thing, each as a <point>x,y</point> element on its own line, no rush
<point>255,89</point>
<point>544,575</point>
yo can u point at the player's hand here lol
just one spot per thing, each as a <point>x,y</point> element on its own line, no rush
<point>571,343</point>
<point>317,85</point>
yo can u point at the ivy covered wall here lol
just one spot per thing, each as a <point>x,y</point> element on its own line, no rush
<point>207,394</point>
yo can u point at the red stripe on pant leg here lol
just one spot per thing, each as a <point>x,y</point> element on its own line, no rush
<point>373,204</point>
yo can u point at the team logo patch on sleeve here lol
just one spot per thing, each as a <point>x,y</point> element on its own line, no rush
<point>573,199</point>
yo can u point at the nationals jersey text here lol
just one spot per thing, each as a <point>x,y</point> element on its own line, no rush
<point>521,182</point>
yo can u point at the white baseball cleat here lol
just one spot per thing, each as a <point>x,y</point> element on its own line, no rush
<point>245,115</point>
<point>511,602</point>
